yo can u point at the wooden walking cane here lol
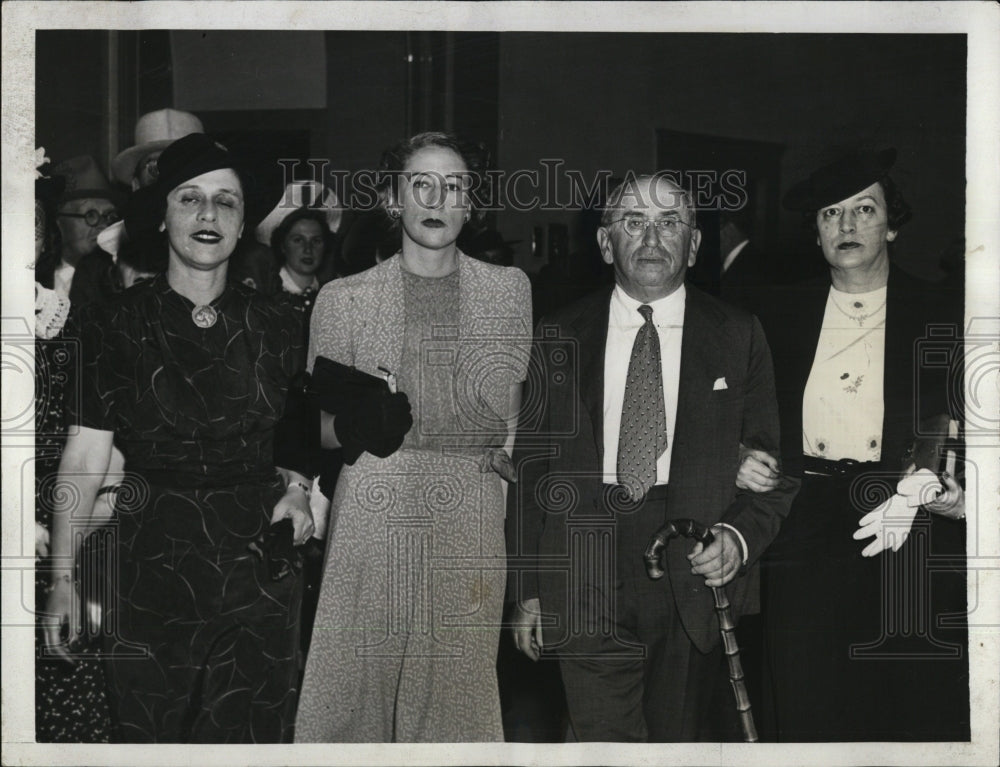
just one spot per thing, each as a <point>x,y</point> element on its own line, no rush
<point>655,568</point>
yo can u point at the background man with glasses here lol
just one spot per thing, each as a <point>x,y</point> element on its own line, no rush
<point>86,207</point>
<point>645,393</point>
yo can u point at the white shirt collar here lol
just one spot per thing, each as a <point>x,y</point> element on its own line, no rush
<point>668,310</point>
<point>290,286</point>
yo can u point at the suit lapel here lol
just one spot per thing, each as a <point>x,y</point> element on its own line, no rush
<point>384,312</point>
<point>591,331</point>
<point>697,348</point>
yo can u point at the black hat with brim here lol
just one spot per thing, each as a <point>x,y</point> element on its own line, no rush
<point>839,180</point>
<point>188,158</point>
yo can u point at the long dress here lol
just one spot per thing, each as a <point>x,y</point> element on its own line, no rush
<point>406,635</point>
<point>204,646</point>
<point>71,701</point>
<point>862,648</point>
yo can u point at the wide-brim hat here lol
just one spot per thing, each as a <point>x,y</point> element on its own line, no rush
<point>839,180</point>
<point>301,194</point>
<point>153,131</point>
<point>82,179</point>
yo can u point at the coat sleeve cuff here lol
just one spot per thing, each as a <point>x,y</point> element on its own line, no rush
<point>743,541</point>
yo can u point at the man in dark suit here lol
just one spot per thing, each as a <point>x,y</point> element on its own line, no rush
<point>638,401</point>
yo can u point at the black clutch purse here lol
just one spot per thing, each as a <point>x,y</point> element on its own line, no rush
<point>337,386</point>
<point>937,448</point>
<point>276,549</point>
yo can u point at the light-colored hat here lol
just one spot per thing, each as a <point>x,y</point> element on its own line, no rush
<point>301,194</point>
<point>154,130</point>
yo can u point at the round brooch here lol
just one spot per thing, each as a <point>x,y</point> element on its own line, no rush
<point>204,316</point>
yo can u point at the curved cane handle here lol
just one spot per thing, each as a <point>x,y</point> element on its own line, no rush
<point>656,550</point>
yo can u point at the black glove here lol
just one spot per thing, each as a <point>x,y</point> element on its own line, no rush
<point>377,423</point>
<point>276,548</point>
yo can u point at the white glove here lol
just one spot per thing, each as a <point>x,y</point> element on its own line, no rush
<point>920,487</point>
<point>890,524</point>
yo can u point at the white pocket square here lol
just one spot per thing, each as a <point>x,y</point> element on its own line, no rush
<point>720,384</point>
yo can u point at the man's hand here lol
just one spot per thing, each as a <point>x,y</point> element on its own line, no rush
<point>758,471</point>
<point>527,628</point>
<point>294,505</point>
<point>720,561</point>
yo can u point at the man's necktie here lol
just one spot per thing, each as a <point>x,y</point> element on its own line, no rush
<point>643,435</point>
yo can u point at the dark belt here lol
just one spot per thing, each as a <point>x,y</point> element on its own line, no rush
<point>845,467</point>
<point>655,493</point>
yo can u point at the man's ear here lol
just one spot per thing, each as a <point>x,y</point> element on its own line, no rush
<point>693,247</point>
<point>604,243</point>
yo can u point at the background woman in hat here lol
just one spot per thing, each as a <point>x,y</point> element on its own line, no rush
<point>408,624</point>
<point>188,376</point>
<point>851,604</point>
<point>301,231</point>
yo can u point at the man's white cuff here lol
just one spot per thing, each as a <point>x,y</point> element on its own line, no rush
<point>743,541</point>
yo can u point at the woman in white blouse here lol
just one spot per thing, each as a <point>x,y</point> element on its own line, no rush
<point>853,645</point>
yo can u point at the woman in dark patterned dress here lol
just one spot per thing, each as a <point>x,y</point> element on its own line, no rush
<point>188,376</point>
<point>405,642</point>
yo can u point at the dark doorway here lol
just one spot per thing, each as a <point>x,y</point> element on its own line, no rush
<point>733,176</point>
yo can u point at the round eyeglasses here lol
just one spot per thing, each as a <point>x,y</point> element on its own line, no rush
<point>95,217</point>
<point>667,228</point>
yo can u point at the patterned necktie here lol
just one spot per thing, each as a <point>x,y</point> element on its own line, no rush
<point>643,435</point>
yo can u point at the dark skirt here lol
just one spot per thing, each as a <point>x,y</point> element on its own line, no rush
<point>858,648</point>
<point>205,647</point>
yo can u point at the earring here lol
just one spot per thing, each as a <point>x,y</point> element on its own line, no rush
<point>163,226</point>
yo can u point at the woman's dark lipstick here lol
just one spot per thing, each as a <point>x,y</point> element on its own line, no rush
<point>849,245</point>
<point>434,223</point>
<point>207,236</point>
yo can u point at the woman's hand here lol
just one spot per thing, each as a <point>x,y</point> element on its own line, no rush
<point>888,525</point>
<point>41,541</point>
<point>376,424</point>
<point>62,609</point>
<point>758,471</point>
<point>294,505</point>
<point>950,503</point>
